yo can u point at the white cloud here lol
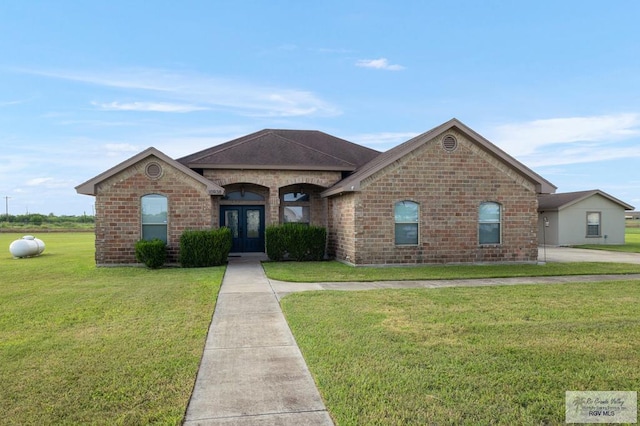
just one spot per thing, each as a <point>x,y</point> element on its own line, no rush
<point>382,140</point>
<point>8,103</point>
<point>528,138</point>
<point>49,183</point>
<point>206,91</point>
<point>578,155</point>
<point>148,107</point>
<point>381,64</point>
<point>119,149</point>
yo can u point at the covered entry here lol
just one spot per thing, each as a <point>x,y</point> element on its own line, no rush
<point>247,227</point>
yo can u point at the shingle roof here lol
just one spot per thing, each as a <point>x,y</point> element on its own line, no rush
<point>554,202</point>
<point>352,183</point>
<point>283,149</point>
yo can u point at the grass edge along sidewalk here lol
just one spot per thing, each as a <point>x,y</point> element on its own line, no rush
<point>481,355</point>
<point>81,344</point>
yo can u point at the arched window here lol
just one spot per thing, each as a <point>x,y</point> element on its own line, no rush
<point>407,222</point>
<point>489,223</point>
<point>154,209</point>
<point>243,195</point>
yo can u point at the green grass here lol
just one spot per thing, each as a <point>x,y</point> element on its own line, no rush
<point>338,272</point>
<point>81,344</point>
<point>631,245</point>
<point>484,355</point>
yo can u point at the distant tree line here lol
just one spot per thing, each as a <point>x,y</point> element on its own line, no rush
<point>50,219</point>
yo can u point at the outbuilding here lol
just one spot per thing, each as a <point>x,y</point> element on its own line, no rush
<point>582,217</point>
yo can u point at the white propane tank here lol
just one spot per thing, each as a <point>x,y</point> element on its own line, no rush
<point>26,247</point>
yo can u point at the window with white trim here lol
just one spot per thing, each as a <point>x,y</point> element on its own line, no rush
<point>489,223</point>
<point>154,209</point>
<point>593,224</point>
<point>407,227</point>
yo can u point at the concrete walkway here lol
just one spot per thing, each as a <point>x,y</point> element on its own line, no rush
<point>570,254</point>
<point>282,288</point>
<point>252,372</point>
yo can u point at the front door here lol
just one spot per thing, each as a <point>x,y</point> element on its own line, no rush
<point>247,227</point>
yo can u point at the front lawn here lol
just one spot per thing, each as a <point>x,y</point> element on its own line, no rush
<point>333,271</point>
<point>484,355</point>
<point>81,344</point>
<point>631,243</point>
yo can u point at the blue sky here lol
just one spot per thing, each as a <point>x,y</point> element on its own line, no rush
<point>86,85</point>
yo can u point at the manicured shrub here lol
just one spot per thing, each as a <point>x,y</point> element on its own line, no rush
<point>152,253</point>
<point>297,241</point>
<point>205,248</point>
<point>275,244</point>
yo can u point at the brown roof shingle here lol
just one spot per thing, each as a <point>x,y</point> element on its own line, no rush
<point>554,202</point>
<point>284,149</point>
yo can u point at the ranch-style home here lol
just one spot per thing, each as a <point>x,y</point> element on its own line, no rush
<point>445,196</point>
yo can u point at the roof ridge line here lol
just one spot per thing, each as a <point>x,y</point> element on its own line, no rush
<point>229,144</point>
<point>314,149</point>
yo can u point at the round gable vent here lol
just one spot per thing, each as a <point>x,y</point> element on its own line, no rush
<point>153,170</point>
<point>449,143</point>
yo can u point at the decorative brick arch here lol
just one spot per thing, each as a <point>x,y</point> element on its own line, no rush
<point>305,180</point>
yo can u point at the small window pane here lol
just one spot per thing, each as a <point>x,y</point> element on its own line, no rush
<point>154,209</point>
<point>489,233</point>
<point>243,196</point>
<point>150,232</point>
<point>489,212</point>
<point>406,233</point>
<point>296,196</point>
<point>298,214</point>
<point>406,211</point>
<point>231,222</point>
<point>253,223</point>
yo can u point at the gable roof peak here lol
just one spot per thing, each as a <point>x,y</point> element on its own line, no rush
<point>89,187</point>
<point>352,183</point>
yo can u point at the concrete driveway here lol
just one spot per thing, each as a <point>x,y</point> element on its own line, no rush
<point>568,254</point>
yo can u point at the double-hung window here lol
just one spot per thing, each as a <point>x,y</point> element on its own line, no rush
<point>593,224</point>
<point>489,223</point>
<point>154,217</point>
<point>407,215</point>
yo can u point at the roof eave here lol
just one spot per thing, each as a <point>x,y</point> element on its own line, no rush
<point>89,187</point>
<point>340,189</point>
<point>543,186</point>
<point>209,166</point>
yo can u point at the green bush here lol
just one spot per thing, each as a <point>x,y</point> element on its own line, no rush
<point>152,253</point>
<point>205,248</point>
<point>275,243</point>
<point>300,242</point>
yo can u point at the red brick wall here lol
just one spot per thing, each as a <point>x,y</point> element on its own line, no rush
<point>449,186</point>
<point>118,222</point>
<point>341,228</point>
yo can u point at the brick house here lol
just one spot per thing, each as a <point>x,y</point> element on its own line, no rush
<point>445,196</point>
